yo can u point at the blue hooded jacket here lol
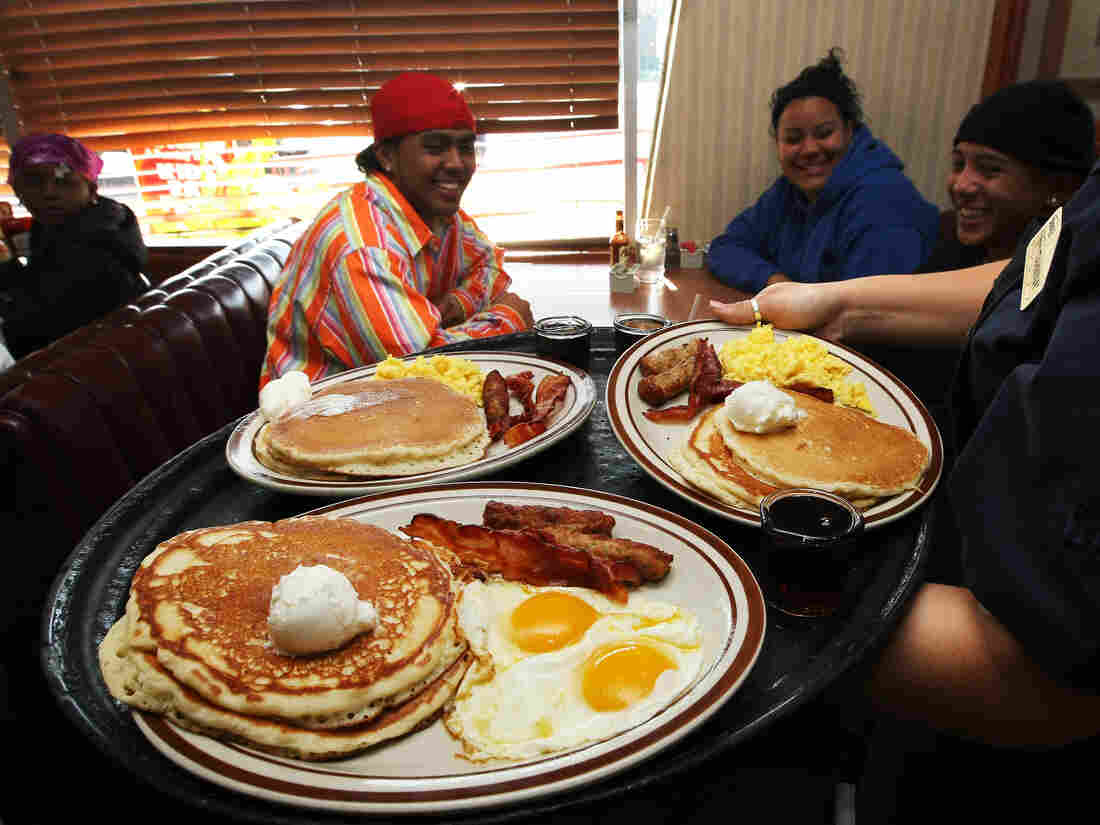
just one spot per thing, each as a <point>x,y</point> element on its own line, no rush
<point>868,220</point>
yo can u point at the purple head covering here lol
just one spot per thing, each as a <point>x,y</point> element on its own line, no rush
<point>59,149</point>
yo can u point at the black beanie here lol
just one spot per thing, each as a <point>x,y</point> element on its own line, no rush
<point>1041,122</point>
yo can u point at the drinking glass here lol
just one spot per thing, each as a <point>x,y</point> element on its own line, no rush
<point>651,250</point>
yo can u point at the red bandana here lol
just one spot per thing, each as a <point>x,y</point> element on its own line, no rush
<point>415,102</point>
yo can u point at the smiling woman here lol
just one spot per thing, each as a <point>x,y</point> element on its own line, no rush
<point>812,138</point>
<point>842,208</point>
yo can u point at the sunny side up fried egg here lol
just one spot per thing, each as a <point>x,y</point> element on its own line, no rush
<point>561,667</point>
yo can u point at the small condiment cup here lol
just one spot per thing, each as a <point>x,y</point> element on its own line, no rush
<point>631,327</point>
<point>809,536</point>
<point>565,338</point>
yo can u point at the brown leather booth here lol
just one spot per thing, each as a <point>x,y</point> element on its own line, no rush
<point>83,420</point>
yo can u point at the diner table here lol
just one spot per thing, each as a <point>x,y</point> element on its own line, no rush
<point>777,747</point>
<point>583,288</point>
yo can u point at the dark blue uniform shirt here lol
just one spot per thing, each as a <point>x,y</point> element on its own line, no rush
<point>1025,489</point>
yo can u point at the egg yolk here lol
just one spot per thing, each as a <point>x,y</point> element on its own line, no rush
<point>616,676</point>
<point>550,621</point>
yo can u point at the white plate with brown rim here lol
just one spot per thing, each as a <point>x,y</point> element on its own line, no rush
<point>650,443</point>
<point>579,401</point>
<point>422,772</point>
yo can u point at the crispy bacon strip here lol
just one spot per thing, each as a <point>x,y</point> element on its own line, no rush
<point>502,516</point>
<point>728,385</point>
<point>823,393</point>
<point>724,388</point>
<point>580,529</point>
<point>521,556</point>
<point>709,374</point>
<point>551,392</point>
<point>651,563</point>
<point>494,395</point>
<point>523,431</point>
<point>523,387</point>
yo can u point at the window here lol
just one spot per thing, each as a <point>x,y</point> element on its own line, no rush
<point>214,118</point>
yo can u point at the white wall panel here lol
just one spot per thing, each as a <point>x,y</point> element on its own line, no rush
<point>919,65</point>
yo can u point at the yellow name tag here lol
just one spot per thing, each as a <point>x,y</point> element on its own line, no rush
<point>1040,252</point>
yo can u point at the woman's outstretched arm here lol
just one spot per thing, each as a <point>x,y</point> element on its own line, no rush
<point>932,309</point>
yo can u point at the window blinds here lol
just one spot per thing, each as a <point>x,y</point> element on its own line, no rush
<point>139,73</point>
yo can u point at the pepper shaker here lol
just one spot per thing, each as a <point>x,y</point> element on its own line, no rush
<point>672,248</point>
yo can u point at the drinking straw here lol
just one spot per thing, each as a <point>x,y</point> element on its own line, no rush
<point>664,217</point>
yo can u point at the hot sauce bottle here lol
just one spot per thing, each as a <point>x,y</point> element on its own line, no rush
<point>619,241</point>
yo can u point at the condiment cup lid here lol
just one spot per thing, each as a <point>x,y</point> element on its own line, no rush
<point>625,321</point>
<point>812,519</point>
<point>562,326</point>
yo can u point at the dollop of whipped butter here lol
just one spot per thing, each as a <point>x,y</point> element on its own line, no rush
<point>760,407</point>
<point>314,609</point>
<point>284,393</point>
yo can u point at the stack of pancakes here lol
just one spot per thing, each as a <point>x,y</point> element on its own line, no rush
<point>369,427</point>
<point>832,448</point>
<point>194,644</point>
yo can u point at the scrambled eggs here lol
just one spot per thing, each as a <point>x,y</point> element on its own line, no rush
<point>759,357</point>
<point>460,374</point>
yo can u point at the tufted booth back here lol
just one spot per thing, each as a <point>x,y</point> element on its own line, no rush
<point>82,421</point>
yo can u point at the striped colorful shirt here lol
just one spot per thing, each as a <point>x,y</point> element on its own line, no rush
<point>364,280</point>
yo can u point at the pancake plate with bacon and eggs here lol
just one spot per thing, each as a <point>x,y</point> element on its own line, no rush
<point>670,653</point>
<point>863,434</point>
<point>360,431</point>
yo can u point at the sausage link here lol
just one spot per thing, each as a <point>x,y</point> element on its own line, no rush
<point>659,388</point>
<point>658,362</point>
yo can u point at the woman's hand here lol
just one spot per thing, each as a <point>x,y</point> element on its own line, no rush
<point>814,308</point>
